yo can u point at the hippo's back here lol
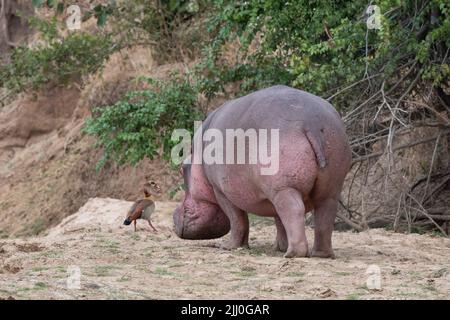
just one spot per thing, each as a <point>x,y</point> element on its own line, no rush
<point>277,107</point>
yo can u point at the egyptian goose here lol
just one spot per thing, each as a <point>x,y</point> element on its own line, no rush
<point>143,208</point>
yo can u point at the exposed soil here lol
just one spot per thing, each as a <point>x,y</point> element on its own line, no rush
<point>48,167</point>
<point>116,263</point>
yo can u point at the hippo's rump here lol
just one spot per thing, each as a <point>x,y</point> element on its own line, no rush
<point>292,111</point>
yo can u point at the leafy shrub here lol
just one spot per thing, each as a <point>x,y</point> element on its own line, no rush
<point>56,62</point>
<point>139,124</point>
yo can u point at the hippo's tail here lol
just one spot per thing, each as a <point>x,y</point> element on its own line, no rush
<point>316,139</point>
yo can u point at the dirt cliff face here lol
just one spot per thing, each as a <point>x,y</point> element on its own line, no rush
<point>47,166</point>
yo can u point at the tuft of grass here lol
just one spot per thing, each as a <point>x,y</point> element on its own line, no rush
<point>418,230</point>
<point>429,286</point>
<point>353,296</point>
<point>177,265</point>
<point>108,245</point>
<point>253,251</point>
<point>61,269</point>
<point>246,271</point>
<point>256,251</point>
<point>33,229</point>
<point>40,286</point>
<point>295,274</point>
<point>439,234</point>
<point>136,237</point>
<point>163,272</point>
<point>124,278</point>
<point>52,254</point>
<point>103,271</point>
<point>256,220</point>
<point>3,234</point>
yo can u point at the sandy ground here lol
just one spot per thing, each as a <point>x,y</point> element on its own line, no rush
<point>116,263</point>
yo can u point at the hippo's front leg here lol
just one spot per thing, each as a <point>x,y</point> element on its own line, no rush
<point>291,210</point>
<point>239,225</point>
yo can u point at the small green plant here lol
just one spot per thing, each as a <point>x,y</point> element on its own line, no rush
<point>3,234</point>
<point>136,237</point>
<point>141,124</point>
<point>34,228</point>
<point>124,278</point>
<point>40,286</point>
<point>103,271</point>
<point>52,254</point>
<point>108,245</point>
<point>353,296</point>
<point>163,272</point>
<point>246,271</point>
<point>39,269</point>
<point>295,274</point>
<point>259,220</point>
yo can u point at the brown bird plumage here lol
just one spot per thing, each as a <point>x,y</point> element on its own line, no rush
<point>143,208</point>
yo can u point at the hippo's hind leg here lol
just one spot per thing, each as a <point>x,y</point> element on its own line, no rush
<point>239,224</point>
<point>281,243</point>
<point>324,216</point>
<point>291,210</point>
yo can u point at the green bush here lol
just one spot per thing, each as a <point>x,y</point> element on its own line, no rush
<point>142,122</point>
<point>324,46</point>
<point>57,62</point>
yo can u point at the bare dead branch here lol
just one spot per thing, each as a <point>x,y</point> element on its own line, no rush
<point>408,145</point>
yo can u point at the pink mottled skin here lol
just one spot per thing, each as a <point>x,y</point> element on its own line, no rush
<point>314,160</point>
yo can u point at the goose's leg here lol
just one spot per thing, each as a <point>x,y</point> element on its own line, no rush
<point>150,223</point>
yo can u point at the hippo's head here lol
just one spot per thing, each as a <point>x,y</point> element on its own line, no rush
<point>195,219</point>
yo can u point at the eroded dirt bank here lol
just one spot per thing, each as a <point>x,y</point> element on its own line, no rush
<point>117,263</point>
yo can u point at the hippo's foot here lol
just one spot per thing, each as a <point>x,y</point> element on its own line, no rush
<point>299,251</point>
<point>322,254</point>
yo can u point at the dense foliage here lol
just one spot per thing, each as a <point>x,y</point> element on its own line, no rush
<point>324,46</point>
<point>57,60</point>
<point>137,125</point>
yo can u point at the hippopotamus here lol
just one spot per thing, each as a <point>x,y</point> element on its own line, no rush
<point>314,158</point>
